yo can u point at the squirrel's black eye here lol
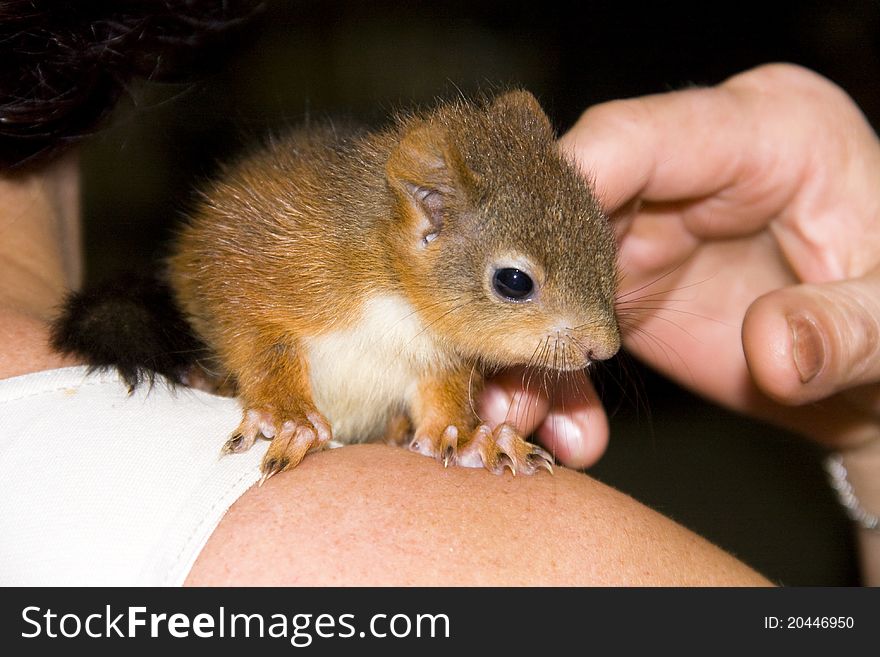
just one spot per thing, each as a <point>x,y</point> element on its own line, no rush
<point>512,284</point>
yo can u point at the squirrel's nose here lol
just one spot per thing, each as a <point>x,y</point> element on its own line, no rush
<point>602,346</point>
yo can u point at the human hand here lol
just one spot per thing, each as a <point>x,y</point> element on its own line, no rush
<point>747,218</point>
<point>565,413</point>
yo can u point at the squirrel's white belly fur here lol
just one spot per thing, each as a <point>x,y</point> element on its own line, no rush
<point>363,375</point>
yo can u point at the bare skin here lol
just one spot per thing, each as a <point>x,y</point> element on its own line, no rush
<point>776,170</point>
<point>370,514</point>
<point>396,518</point>
<point>39,260</point>
<point>796,323</point>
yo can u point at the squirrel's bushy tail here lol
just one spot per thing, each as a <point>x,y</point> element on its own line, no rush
<point>132,324</point>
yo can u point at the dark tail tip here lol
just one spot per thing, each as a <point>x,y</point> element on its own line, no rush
<point>132,324</point>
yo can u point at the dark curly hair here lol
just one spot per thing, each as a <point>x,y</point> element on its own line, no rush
<point>64,64</point>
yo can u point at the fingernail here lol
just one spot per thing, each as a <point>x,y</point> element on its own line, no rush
<point>808,347</point>
<point>570,441</point>
<point>495,403</point>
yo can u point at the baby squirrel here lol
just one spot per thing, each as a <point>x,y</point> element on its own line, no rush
<point>356,284</point>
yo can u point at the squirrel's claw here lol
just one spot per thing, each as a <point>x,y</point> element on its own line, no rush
<point>495,450</point>
<point>292,438</point>
<point>503,449</point>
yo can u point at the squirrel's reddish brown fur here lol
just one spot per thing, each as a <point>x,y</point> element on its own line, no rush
<point>345,280</point>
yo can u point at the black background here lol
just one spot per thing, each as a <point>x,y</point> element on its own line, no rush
<point>752,489</point>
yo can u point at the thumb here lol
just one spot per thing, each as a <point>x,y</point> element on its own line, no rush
<point>807,342</point>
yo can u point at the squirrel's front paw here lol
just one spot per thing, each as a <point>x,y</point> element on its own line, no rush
<point>503,448</point>
<point>494,450</point>
<point>293,434</point>
<point>441,445</point>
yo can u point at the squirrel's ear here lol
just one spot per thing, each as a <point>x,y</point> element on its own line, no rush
<point>521,106</point>
<point>429,174</point>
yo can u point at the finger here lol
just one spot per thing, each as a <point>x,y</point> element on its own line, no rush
<point>808,342</point>
<point>654,242</point>
<point>834,422</point>
<point>659,148</point>
<point>567,415</point>
<point>575,430</point>
<point>692,144</point>
<point>514,396</point>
